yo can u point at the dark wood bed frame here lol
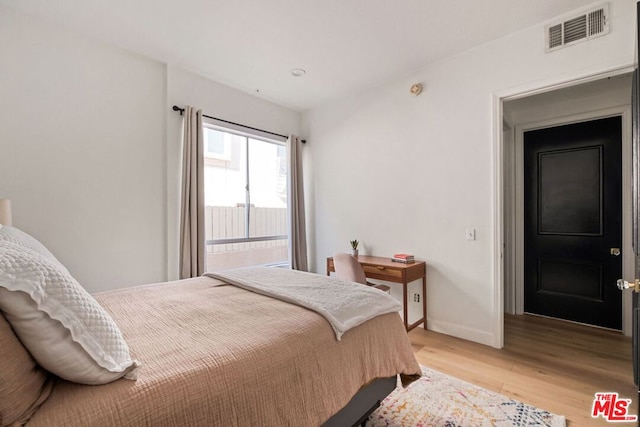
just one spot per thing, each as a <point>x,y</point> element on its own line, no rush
<point>364,402</point>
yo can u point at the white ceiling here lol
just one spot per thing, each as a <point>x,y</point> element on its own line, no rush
<point>344,45</point>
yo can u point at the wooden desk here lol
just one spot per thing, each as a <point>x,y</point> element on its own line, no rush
<point>397,272</point>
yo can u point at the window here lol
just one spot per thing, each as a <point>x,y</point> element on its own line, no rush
<point>245,181</point>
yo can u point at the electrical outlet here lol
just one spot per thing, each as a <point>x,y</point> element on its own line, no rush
<point>416,297</point>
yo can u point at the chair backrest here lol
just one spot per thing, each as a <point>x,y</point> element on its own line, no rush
<point>348,268</point>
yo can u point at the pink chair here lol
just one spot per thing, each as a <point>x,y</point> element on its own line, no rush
<point>349,269</point>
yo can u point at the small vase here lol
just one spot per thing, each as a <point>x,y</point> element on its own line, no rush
<point>354,252</point>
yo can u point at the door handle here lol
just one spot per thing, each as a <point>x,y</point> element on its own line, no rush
<point>615,251</point>
<point>623,284</point>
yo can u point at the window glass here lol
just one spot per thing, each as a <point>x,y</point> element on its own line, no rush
<point>245,201</point>
<point>216,144</point>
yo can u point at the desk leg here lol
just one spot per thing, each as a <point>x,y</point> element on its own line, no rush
<point>424,300</point>
<point>405,309</point>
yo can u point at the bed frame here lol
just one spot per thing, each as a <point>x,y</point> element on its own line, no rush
<point>364,402</point>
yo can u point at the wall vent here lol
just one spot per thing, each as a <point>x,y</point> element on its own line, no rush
<point>589,25</point>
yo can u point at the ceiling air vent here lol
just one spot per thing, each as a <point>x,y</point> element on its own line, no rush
<point>591,24</point>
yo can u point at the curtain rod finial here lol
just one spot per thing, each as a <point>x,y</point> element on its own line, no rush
<point>176,108</point>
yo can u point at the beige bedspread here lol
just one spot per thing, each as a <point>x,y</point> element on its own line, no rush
<point>216,355</point>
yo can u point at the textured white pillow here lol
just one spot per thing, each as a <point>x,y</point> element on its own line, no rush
<point>19,237</point>
<point>64,328</point>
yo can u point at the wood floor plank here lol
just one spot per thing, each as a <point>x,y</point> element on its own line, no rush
<point>552,364</point>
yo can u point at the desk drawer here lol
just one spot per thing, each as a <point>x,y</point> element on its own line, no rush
<point>383,270</point>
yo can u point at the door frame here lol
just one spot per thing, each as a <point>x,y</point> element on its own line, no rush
<point>498,180</point>
<point>624,111</point>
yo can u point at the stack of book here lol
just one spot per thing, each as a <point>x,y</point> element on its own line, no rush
<point>405,258</point>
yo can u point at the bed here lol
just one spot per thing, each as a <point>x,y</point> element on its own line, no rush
<point>210,353</point>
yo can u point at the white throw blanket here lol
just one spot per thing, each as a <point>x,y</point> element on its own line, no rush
<point>344,304</point>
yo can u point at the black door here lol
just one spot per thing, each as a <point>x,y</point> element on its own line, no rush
<point>573,221</point>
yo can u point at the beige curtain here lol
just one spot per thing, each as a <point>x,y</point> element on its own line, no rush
<point>298,237</point>
<point>192,246</point>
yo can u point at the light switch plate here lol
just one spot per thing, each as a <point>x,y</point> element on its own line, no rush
<point>471,234</point>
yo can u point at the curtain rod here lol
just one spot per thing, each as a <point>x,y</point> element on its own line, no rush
<point>181,110</point>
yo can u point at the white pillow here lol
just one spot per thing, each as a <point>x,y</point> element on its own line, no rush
<point>14,235</point>
<point>64,328</point>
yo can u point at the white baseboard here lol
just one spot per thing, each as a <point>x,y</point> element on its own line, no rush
<point>458,331</point>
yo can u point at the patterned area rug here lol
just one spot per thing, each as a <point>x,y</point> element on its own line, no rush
<point>439,400</point>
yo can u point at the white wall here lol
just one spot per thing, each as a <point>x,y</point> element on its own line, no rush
<point>571,101</point>
<point>404,173</point>
<point>81,151</point>
<point>89,148</point>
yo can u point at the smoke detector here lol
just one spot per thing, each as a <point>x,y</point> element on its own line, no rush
<point>416,89</point>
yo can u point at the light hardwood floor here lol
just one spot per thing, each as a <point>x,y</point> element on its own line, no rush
<point>551,364</point>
